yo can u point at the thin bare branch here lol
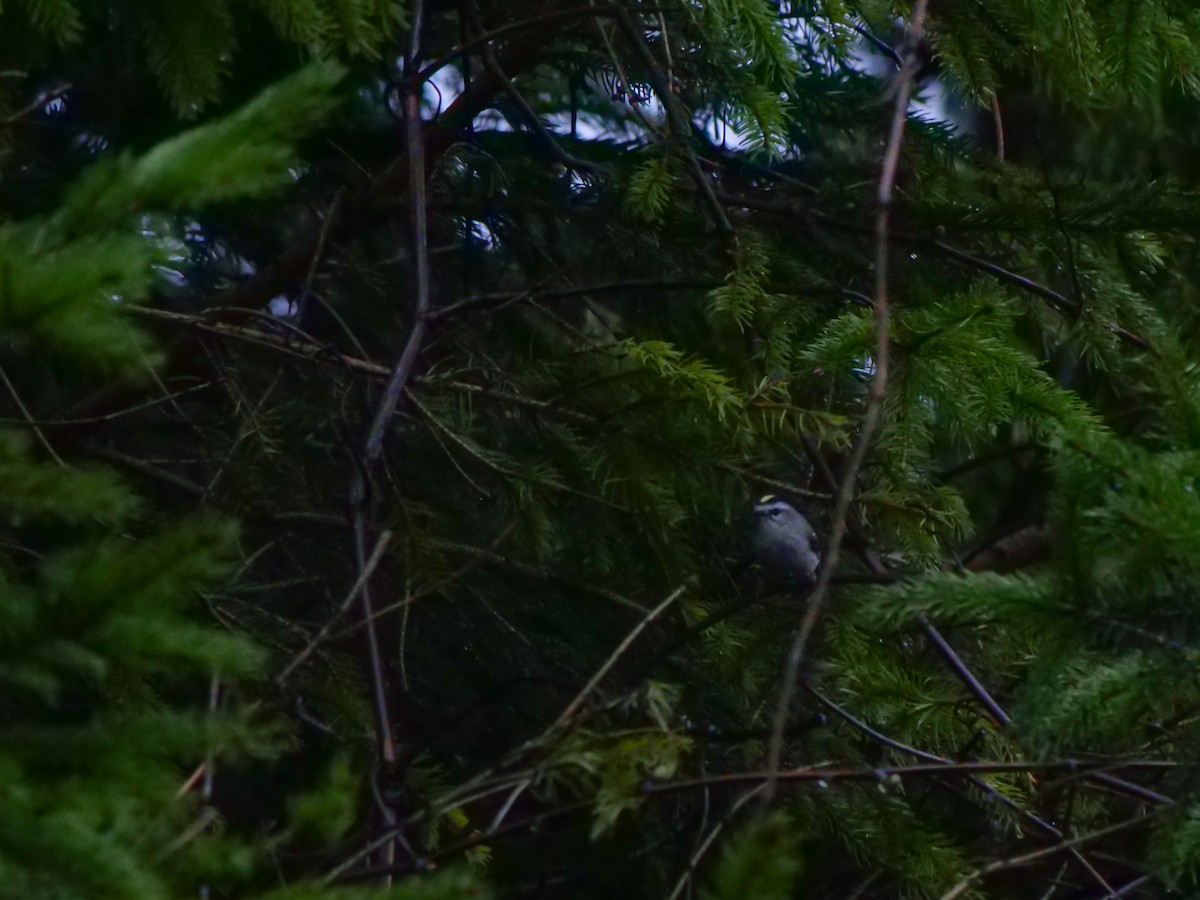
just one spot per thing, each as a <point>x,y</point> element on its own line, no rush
<point>705,844</point>
<point>1025,859</point>
<point>99,420</point>
<point>28,419</point>
<point>367,459</point>
<point>527,113</point>
<point>830,774</point>
<point>484,38</point>
<point>381,544</point>
<point>977,782</point>
<point>539,574</point>
<point>816,603</point>
<point>574,706</point>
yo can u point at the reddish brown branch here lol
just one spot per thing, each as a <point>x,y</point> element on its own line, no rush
<point>360,495</point>
<point>817,601</point>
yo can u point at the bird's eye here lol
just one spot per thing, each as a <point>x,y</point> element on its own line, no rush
<point>775,513</point>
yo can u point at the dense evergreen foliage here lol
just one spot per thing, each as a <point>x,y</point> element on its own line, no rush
<point>386,386</point>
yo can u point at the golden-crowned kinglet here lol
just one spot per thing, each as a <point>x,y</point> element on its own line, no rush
<point>785,544</point>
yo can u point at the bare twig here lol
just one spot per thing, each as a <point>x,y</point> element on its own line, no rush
<point>1127,889</point>
<point>502,814</point>
<point>974,685</point>
<point>143,468</point>
<point>401,372</point>
<point>531,118</point>
<point>538,574</point>
<point>829,774</point>
<point>372,448</point>
<point>701,850</point>
<point>29,420</point>
<point>792,208</point>
<point>816,603</point>
<point>108,417</point>
<point>322,237</point>
<point>476,454</point>
<point>352,595</point>
<point>46,97</point>
<point>413,597</point>
<point>1026,858</point>
<point>468,791</point>
<point>1120,785</point>
<point>574,706</point>
<point>484,38</point>
<point>975,781</point>
<point>504,298</point>
<point>534,822</point>
<point>998,122</point>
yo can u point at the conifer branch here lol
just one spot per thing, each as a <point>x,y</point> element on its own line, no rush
<point>794,208</point>
<point>85,421</point>
<point>531,823</point>
<point>816,602</point>
<point>570,162</point>
<point>463,794</point>
<point>960,669</point>
<point>483,38</point>
<point>625,82</point>
<point>359,209</point>
<point>677,114</point>
<point>800,776</point>
<point>977,782</point>
<point>502,298</point>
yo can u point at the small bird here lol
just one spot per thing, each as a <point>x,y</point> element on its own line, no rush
<point>785,544</point>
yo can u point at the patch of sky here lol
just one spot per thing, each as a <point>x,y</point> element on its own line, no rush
<point>172,276</point>
<point>89,142</point>
<point>873,56</point>
<point>283,307</point>
<point>481,232</point>
<point>864,367</point>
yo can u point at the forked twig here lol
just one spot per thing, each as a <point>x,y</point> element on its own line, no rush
<point>694,861</point>
<point>574,706</point>
<point>352,595</point>
<point>535,125</point>
<point>468,791</point>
